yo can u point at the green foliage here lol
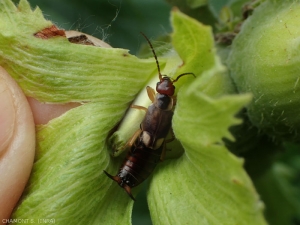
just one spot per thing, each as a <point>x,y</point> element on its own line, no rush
<point>272,61</point>
<point>264,61</point>
<point>199,179</point>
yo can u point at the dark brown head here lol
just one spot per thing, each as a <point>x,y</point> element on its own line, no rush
<point>165,84</point>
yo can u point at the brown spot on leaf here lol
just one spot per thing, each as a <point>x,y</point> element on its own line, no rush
<point>81,39</point>
<point>236,181</point>
<point>77,37</point>
<point>50,32</point>
<point>225,38</point>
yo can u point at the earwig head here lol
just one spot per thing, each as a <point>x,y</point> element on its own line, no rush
<point>165,84</point>
<point>121,184</point>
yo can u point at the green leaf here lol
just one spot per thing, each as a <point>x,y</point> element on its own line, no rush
<point>196,3</point>
<point>54,70</point>
<point>67,177</point>
<point>21,20</point>
<point>207,184</point>
<point>280,181</point>
<point>279,187</point>
<point>185,44</point>
<point>273,81</point>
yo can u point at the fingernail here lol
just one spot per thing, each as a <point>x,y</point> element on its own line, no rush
<point>7,115</point>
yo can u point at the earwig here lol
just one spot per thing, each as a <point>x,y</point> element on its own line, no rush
<point>149,146</point>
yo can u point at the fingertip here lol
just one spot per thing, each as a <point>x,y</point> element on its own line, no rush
<point>18,146</point>
<point>43,112</point>
<point>7,116</point>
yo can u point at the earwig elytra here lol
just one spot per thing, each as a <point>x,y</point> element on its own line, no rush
<point>148,143</point>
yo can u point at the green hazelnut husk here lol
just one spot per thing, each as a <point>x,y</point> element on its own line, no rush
<point>265,60</point>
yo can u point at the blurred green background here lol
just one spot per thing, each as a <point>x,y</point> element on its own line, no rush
<point>117,22</point>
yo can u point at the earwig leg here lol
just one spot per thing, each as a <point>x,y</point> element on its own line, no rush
<point>163,154</point>
<point>172,138</point>
<point>151,93</point>
<point>139,107</point>
<point>174,100</point>
<point>131,141</point>
<point>165,145</point>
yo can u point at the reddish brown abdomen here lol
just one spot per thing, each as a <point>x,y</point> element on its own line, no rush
<point>139,164</point>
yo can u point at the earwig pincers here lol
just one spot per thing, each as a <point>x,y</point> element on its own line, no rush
<point>148,146</point>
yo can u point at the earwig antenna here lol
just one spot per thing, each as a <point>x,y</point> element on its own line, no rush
<point>158,68</point>
<point>183,74</point>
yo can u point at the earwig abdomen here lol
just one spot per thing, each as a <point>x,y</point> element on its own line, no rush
<point>137,166</point>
